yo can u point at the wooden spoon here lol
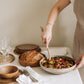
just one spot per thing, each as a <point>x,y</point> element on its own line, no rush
<point>47,48</point>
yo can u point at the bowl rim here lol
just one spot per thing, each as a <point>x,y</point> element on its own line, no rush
<point>12,72</point>
<point>54,68</point>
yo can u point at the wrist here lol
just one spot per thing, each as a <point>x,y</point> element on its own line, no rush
<point>49,27</point>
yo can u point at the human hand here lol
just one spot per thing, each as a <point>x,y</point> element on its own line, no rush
<point>47,35</point>
<point>80,62</point>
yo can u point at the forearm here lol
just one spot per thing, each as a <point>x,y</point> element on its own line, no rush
<point>59,6</point>
<point>53,16</point>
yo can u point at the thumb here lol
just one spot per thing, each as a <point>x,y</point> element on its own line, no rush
<point>79,64</point>
<point>77,61</point>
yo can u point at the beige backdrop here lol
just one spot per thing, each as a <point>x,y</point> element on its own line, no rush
<point>20,20</point>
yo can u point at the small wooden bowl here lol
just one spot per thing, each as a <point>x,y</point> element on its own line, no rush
<point>8,71</point>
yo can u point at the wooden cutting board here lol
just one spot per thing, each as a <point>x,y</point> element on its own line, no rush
<point>26,47</point>
<point>8,59</point>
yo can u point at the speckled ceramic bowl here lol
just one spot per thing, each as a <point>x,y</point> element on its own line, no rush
<point>57,71</point>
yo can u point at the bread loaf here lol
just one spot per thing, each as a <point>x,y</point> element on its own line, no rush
<point>30,58</point>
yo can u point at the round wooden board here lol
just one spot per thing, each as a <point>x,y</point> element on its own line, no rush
<point>8,59</point>
<point>26,47</point>
<point>11,80</point>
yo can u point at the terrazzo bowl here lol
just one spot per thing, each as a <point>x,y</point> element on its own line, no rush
<point>8,71</point>
<point>57,71</point>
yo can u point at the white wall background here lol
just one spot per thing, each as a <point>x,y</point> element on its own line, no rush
<point>20,20</point>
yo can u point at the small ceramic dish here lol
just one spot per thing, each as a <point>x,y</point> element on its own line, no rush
<point>58,70</point>
<point>8,71</point>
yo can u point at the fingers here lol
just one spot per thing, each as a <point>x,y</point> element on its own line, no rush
<point>47,43</point>
<point>44,40</point>
<point>77,61</point>
<point>79,65</point>
<point>46,37</point>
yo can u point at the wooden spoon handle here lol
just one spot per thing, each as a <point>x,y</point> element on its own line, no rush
<point>41,28</point>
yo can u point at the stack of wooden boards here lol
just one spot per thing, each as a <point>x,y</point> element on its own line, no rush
<point>29,54</point>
